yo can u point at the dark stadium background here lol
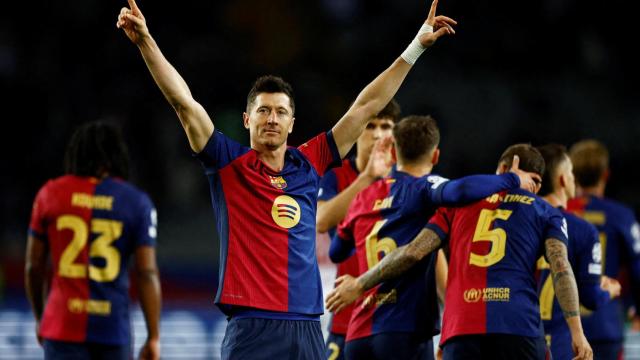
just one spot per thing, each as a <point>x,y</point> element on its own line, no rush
<point>517,71</point>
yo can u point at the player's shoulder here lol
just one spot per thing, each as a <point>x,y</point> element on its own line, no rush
<point>614,207</point>
<point>125,189</point>
<point>578,225</point>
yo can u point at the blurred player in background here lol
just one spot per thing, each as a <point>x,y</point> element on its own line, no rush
<point>397,319</point>
<point>558,186</point>
<point>339,186</point>
<point>269,282</point>
<point>492,309</point>
<point>620,243</point>
<point>88,223</point>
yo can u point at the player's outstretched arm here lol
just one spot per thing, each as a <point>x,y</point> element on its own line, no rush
<point>34,276</point>
<point>196,122</point>
<point>375,96</point>
<point>394,264</point>
<point>564,284</point>
<point>148,282</point>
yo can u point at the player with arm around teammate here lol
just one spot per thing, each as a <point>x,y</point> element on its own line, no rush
<point>492,309</point>
<point>397,319</point>
<point>89,222</point>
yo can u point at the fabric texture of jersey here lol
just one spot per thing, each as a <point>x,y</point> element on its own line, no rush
<point>331,184</point>
<point>91,228</point>
<point>390,213</point>
<point>584,255</point>
<point>495,244</point>
<point>266,224</point>
<point>620,238</point>
<point>408,303</point>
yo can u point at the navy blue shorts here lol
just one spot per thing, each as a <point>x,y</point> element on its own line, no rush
<point>494,347</point>
<point>335,347</point>
<point>399,346</point>
<point>255,338</point>
<point>54,349</point>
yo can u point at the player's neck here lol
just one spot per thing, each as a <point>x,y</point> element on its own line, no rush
<point>274,159</point>
<point>416,170</point>
<point>557,199</point>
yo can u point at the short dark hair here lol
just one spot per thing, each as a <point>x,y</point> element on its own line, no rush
<point>553,155</point>
<point>391,111</point>
<point>96,148</point>
<point>590,161</point>
<point>270,84</point>
<point>530,158</point>
<point>415,137</point>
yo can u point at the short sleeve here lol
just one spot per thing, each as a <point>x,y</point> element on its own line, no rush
<point>37,223</point>
<point>219,152</point>
<point>146,227</point>
<point>589,257</point>
<point>440,222</point>
<point>556,226</point>
<point>322,152</point>
<point>328,186</point>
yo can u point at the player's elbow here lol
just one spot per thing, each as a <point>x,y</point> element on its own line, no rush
<point>322,226</point>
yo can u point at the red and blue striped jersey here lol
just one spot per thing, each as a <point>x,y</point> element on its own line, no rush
<point>91,228</point>
<point>390,213</point>
<point>620,242</point>
<point>332,183</point>
<point>266,224</point>
<point>494,246</point>
<point>584,255</point>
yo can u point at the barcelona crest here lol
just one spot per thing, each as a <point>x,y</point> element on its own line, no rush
<point>278,182</point>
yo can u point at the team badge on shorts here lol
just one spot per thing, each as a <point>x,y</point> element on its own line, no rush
<point>278,182</point>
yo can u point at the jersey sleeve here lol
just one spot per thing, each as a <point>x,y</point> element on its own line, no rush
<point>440,222</point>
<point>145,229</point>
<point>441,191</point>
<point>219,152</point>
<point>322,152</point>
<point>630,231</point>
<point>556,226</point>
<point>588,268</point>
<point>343,241</point>
<point>37,223</point>
<point>328,186</point>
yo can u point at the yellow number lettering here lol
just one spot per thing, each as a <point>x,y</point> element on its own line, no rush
<point>374,246</point>
<point>547,293</point>
<point>335,351</point>
<point>108,231</point>
<point>497,237</point>
<point>67,266</point>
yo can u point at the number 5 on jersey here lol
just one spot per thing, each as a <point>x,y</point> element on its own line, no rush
<point>497,237</point>
<point>108,231</point>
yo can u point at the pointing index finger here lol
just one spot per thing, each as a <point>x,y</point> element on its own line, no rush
<point>134,6</point>
<point>432,12</point>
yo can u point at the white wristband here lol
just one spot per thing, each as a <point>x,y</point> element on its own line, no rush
<point>415,49</point>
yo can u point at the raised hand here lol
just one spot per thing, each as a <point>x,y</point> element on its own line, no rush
<point>347,291</point>
<point>380,160</point>
<point>442,25</point>
<point>528,181</point>
<point>133,23</point>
